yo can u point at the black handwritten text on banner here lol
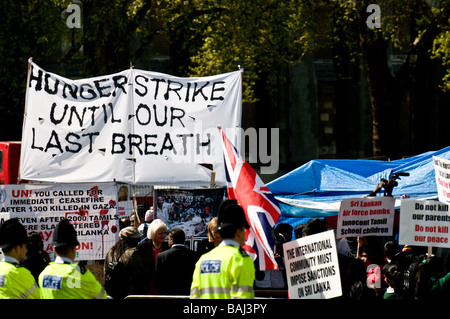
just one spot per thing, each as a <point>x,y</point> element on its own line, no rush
<point>132,126</point>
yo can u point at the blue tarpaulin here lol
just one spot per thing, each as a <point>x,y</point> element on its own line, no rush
<point>316,188</point>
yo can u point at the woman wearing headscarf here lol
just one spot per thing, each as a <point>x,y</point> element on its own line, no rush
<point>124,268</point>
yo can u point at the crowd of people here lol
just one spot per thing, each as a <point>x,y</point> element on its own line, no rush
<point>144,262</point>
<point>377,268</point>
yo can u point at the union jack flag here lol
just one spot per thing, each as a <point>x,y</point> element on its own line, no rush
<point>260,206</point>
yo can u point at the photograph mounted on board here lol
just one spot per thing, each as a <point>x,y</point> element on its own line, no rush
<point>188,209</point>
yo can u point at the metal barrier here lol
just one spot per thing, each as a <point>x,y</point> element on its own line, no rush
<point>259,294</point>
<point>156,297</point>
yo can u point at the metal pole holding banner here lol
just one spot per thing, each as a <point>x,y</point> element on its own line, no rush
<point>24,115</point>
<point>137,221</point>
<point>131,116</point>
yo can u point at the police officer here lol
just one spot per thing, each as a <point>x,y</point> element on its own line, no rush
<point>64,278</point>
<point>226,271</point>
<point>15,281</point>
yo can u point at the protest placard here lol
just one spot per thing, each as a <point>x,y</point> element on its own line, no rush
<point>369,216</point>
<point>90,207</point>
<point>312,267</point>
<point>3,217</point>
<point>442,174</point>
<point>424,223</point>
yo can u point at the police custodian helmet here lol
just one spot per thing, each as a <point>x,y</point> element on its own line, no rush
<point>12,233</point>
<point>231,214</point>
<point>65,234</point>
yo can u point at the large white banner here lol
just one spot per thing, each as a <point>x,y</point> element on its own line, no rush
<point>90,207</point>
<point>133,127</point>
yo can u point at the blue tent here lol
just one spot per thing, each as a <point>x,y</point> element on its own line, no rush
<point>316,188</point>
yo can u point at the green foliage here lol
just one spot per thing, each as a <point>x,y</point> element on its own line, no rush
<point>262,35</point>
<point>256,35</point>
<point>441,49</point>
<point>209,37</point>
<point>28,29</point>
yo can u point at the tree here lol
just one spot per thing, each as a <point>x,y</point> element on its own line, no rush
<point>263,36</point>
<point>28,29</point>
<point>259,36</point>
<point>113,34</point>
<point>427,27</point>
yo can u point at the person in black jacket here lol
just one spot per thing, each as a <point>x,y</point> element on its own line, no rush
<point>174,267</point>
<point>36,258</point>
<point>123,267</point>
<point>149,249</point>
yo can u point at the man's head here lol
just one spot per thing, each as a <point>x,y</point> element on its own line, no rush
<point>176,236</point>
<point>314,226</point>
<point>133,219</point>
<point>160,201</point>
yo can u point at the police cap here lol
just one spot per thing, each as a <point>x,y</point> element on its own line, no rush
<point>12,233</point>
<point>231,214</point>
<point>65,234</point>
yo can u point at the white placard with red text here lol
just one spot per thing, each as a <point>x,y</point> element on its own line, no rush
<point>424,223</point>
<point>442,174</point>
<point>368,216</point>
<point>90,207</point>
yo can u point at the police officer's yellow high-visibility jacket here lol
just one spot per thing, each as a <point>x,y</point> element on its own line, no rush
<point>17,282</point>
<point>225,272</point>
<point>66,280</point>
